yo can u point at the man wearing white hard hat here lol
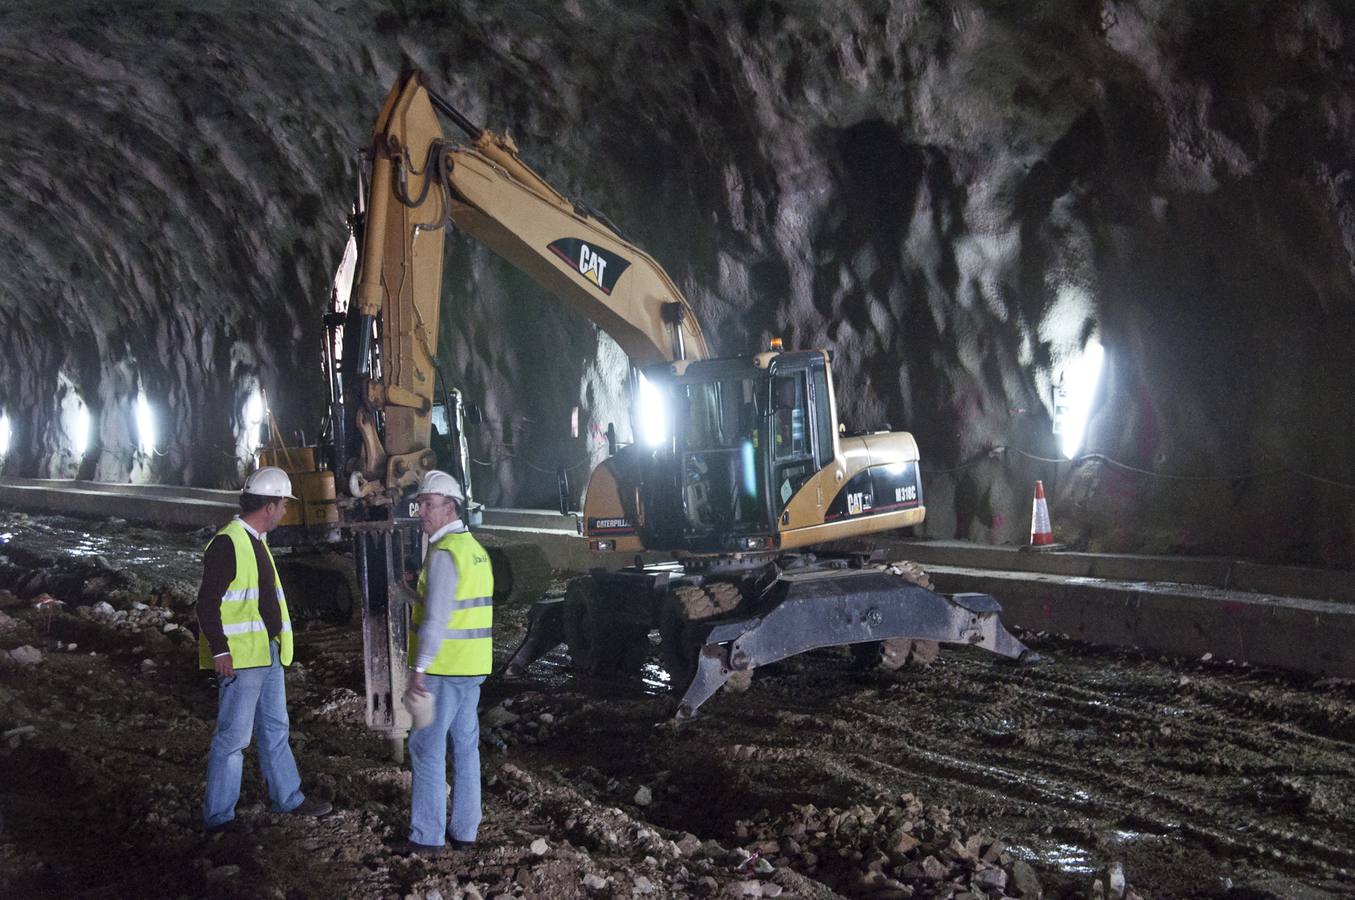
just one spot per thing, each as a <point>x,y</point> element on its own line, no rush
<point>245,636</point>
<point>450,653</point>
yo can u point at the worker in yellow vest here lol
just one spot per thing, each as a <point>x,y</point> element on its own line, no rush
<point>245,637</point>
<point>450,653</point>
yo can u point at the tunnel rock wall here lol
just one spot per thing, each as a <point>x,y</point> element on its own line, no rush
<point>956,198</point>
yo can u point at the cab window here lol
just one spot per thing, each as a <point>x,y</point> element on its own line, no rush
<point>823,417</point>
<point>790,436</point>
<point>792,455</point>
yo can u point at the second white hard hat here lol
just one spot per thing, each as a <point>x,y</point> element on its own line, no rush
<point>439,482</point>
<point>270,481</point>
<point>420,708</point>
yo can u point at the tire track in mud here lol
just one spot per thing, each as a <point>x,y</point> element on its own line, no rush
<point>956,753</point>
<point>1100,796</point>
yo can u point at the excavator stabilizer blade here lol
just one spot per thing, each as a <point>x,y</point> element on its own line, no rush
<point>833,608</point>
<point>712,671</point>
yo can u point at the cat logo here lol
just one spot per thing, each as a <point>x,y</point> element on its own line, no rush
<point>600,267</point>
<point>857,503</point>
<point>591,265</point>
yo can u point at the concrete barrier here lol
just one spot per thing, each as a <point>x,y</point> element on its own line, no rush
<point>159,505</point>
<point>1294,633</point>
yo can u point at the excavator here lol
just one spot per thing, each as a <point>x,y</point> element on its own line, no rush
<point>740,473</point>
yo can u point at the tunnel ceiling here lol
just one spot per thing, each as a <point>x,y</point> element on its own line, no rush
<point>956,198</point>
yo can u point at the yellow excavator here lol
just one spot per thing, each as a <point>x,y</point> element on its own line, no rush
<point>739,471</point>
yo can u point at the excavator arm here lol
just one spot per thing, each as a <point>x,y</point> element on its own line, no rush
<point>399,294</point>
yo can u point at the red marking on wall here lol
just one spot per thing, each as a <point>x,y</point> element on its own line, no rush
<point>967,407</point>
<point>1123,485</point>
<point>1233,608</point>
<point>1048,609</point>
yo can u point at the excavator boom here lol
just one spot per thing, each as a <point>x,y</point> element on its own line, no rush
<point>420,184</point>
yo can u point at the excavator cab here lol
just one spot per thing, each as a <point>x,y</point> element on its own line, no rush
<point>730,442</point>
<point>744,456</point>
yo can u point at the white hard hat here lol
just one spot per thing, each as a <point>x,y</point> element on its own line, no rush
<point>439,482</point>
<point>420,708</point>
<point>270,481</point>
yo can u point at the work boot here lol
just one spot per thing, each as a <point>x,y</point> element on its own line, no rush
<point>230,826</point>
<point>411,848</point>
<point>312,807</point>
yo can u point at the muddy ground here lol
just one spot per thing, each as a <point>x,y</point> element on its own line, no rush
<point>972,778</point>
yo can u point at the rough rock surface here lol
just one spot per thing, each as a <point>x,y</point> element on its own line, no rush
<point>953,196</point>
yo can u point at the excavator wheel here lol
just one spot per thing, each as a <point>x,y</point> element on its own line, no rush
<point>521,572</point>
<point>680,642</point>
<point>894,654</point>
<point>320,586</point>
<point>597,645</point>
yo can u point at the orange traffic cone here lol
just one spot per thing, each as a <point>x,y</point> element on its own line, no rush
<point>1041,533</point>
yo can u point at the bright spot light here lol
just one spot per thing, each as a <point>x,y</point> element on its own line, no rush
<point>80,432</point>
<point>1073,399</point>
<point>4,434</point>
<point>254,409</point>
<point>653,413</point>
<point>250,439</point>
<point>145,425</point>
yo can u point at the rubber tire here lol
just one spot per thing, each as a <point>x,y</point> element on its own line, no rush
<point>320,586</point>
<point>680,643</point>
<point>894,654</point>
<point>598,646</point>
<point>890,655</point>
<point>521,572</point>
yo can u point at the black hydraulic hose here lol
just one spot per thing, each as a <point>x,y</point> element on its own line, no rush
<point>474,132</point>
<point>455,115</point>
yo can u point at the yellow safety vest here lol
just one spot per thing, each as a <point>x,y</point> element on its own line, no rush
<point>467,648</point>
<point>246,634</point>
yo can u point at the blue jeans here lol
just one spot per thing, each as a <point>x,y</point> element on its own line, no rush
<point>250,699</point>
<point>456,723</point>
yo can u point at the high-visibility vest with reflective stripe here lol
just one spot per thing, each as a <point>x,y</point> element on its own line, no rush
<point>246,634</point>
<point>467,648</point>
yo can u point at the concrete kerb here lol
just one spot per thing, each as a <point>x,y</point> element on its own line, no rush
<point>1236,575</point>
<point>1298,634</point>
<point>133,504</point>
